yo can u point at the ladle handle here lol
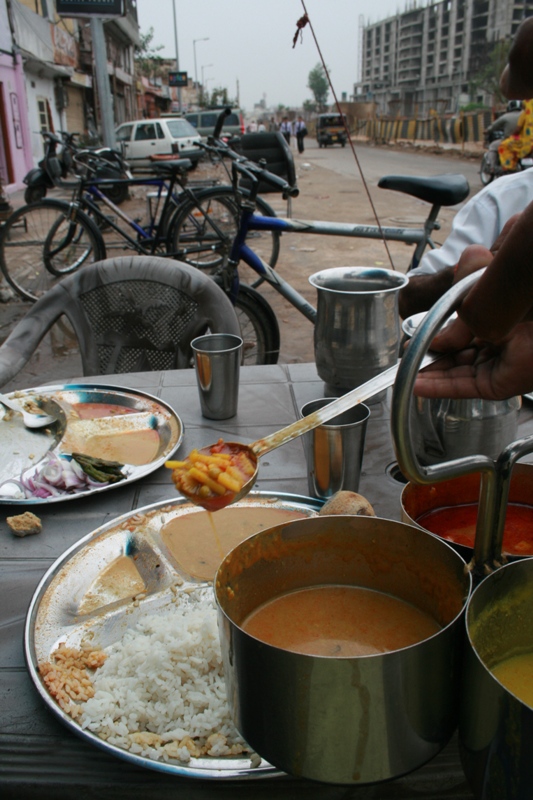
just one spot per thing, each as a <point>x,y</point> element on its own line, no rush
<point>487,550</point>
<point>333,409</point>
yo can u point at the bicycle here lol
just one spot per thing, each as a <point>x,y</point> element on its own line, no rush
<point>444,190</point>
<point>102,162</point>
<point>42,242</point>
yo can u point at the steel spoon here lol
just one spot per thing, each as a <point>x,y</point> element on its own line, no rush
<point>30,419</point>
<point>262,446</point>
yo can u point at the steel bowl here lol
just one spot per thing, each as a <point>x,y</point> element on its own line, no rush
<point>496,727</point>
<point>418,499</point>
<point>344,720</point>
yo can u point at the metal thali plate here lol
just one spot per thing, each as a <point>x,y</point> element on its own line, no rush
<point>116,412</point>
<point>67,609</point>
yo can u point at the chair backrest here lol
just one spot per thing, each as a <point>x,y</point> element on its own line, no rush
<point>129,314</point>
<point>274,149</point>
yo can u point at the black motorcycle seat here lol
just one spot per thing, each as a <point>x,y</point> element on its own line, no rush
<point>442,190</point>
<point>171,167</point>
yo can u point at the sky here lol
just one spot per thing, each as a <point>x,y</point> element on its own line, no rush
<point>249,48</point>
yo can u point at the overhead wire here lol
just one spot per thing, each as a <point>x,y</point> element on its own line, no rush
<point>300,25</point>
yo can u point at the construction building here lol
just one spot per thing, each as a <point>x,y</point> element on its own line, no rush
<point>425,58</point>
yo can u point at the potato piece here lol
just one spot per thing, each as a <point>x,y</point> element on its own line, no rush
<point>24,524</point>
<point>345,502</point>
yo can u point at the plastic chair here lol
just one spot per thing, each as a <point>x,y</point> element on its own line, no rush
<point>273,148</point>
<point>129,314</point>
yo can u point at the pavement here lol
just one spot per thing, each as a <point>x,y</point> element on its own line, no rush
<point>324,194</point>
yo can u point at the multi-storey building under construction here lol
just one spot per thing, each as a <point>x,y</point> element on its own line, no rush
<point>426,58</point>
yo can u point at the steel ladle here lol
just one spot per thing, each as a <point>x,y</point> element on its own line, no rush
<point>262,446</point>
<point>30,419</point>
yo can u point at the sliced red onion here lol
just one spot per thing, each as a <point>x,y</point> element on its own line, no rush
<point>14,482</point>
<point>55,476</point>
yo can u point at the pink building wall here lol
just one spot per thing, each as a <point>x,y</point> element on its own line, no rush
<point>15,141</point>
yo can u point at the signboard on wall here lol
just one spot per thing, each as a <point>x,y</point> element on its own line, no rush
<point>90,8</point>
<point>178,79</point>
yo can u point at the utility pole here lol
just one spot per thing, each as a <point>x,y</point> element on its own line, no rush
<point>102,82</point>
<point>177,55</point>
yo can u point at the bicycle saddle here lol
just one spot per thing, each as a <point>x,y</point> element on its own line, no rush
<point>171,167</point>
<point>443,190</point>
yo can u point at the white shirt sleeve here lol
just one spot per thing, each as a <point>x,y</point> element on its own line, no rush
<point>480,220</point>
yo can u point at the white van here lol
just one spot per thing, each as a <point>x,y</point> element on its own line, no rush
<point>204,122</point>
<point>143,138</point>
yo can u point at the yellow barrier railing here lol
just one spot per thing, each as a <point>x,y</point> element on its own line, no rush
<point>466,127</point>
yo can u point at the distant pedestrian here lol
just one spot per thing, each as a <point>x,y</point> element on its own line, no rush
<point>300,131</point>
<point>286,129</point>
<point>261,128</point>
<point>252,127</point>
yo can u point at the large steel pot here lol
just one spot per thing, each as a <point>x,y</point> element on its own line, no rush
<point>417,500</point>
<point>344,720</point>
<point>496,728</point>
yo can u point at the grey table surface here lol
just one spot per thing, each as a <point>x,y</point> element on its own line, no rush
<point>39,757</point>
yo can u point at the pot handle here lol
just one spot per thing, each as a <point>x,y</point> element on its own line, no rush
<point>490,511</point>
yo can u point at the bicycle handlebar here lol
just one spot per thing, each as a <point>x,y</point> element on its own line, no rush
<point>256,173</point>
<point>220,122</point>
<point>251,169</point>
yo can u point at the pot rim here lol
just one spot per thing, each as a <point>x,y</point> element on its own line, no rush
<point>367,521</point>
<point>400,280</point>
<point>501,573</point>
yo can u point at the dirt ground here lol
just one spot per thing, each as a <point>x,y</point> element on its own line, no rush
<point>324,195</point>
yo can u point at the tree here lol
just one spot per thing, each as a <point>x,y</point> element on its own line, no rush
<point>487,76</point>
<point>219,97</point>
<point>146,58</point>
<point>318,83</point>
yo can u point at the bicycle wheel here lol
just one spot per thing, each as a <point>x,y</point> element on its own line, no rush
<point>40,243</point>
<point>259,327</point>
<point>201,232</point>
<point>486,171</point>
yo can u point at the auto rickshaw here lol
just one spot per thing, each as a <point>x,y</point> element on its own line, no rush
<point>330,129</point>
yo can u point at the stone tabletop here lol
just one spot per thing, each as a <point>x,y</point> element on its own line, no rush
<point>39,758</point>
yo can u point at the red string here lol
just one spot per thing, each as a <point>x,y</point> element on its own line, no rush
<point>302,22</point>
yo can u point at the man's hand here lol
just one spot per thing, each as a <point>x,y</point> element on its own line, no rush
<point>478,369</point>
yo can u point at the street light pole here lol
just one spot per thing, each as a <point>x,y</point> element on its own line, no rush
<point>205,66</point>
<point>205,39</point>
<point>177,54</point>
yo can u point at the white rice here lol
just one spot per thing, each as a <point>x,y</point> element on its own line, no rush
<point>160,692</point>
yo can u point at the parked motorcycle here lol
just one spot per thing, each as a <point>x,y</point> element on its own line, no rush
<point>490,163</point>
<point>101,162</point>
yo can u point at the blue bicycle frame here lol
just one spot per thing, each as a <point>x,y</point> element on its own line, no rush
<point>254,222</point>
<point>147,233</point>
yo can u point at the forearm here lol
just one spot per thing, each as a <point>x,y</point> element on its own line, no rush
<point>423,291</point>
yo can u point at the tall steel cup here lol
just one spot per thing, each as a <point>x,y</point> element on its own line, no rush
<point>334,451</point>
<point>217,361</point>
<point>357,331</point>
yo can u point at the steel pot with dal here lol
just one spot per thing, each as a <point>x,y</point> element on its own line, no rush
<point>496,718</point>
<point>449,509</point>
<point>310,705</point>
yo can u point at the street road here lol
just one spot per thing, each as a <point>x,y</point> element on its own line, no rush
<point>330,189</point>
<point>378,161</point>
